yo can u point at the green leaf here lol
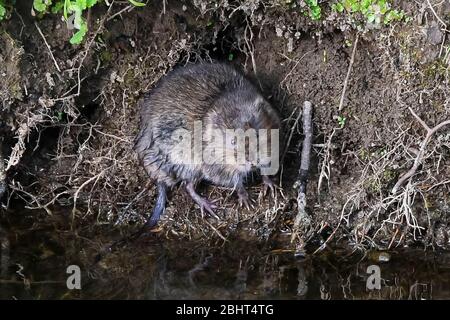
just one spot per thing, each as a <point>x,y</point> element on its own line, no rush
<point>57,7</point>
<point>314,9</point>
<point>66,8</point>
<point>2,12</point>
<point>79,36</point>
<point>341,121</point>
<point>90,3</point>
<point>81,4</point>
<point>316,13</point>
<point>136,3</point>
<point>339,7</point>
<point>41,5</point>
<point>355,6</point>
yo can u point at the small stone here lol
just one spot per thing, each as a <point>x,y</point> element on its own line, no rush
<point>379,256</point>
<point>434,34</point>
<point>279,31</point>
<point>290,46</point>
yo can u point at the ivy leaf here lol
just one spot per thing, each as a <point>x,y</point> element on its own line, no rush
<point>40,5</point>
<point>136,3</point>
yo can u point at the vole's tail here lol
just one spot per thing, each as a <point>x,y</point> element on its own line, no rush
<point>152,221</point>
<point>160,206</point>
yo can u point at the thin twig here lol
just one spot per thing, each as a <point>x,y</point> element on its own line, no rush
<point>331,236</point>
<point>349,71</point>
<point>296,64</point>
<point>48,46</point>
<point>127,8</point>
<point>291,134</point>
<point>302,217</point>
<point>216,231</point>
<point>436,15</point>
<point>442,183</point>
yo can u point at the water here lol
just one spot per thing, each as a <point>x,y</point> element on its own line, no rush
<point>35,257</point>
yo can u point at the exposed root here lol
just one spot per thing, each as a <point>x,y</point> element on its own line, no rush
<point>22,134</point>
<point>325,168</point>
<point>420,154</point>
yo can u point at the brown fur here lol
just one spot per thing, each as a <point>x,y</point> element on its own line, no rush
<point>216,94</point>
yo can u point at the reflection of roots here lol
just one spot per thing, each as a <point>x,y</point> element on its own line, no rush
<point>4,253</point>
<point>2,174</point>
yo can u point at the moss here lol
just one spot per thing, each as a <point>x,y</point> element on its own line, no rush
<point>389,175</point>
<point>435,69</point>
<point>130,79</point>
<point>364,154</point>
<point>10,57</point>
<point>105,56</point>
<point>372,185</point>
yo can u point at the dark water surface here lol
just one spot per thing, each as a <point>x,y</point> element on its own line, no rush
<point>35,258</point>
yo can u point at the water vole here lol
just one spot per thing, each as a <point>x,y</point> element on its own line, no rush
<point>194,121</point>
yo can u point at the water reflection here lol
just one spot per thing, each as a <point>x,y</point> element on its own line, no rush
<point>34,261</point>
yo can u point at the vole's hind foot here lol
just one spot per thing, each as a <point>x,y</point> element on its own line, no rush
<point>268,184</point>
<point>244,199</point>
<point>208,206</point>
<point>203,203</point>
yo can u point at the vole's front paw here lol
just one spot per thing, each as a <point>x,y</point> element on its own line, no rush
<point>268,184</point>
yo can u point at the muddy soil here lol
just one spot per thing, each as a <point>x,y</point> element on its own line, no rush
<point>68,119</point>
